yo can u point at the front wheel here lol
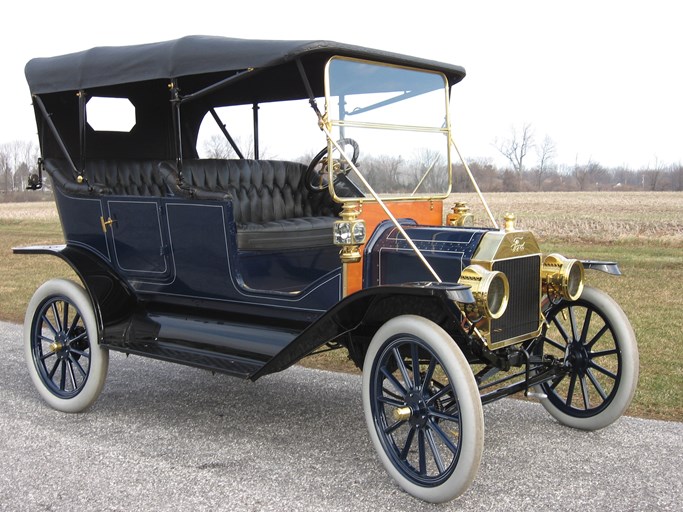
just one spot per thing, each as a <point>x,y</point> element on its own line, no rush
<point>596,342</point>
<point>422,408</point>
<point>66,363</point>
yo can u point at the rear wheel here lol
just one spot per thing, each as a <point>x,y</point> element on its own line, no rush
<point>67,365</point>
<point>594,338</point>
<point>422,408</point>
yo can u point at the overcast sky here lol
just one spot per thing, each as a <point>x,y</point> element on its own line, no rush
<point>603,79</point>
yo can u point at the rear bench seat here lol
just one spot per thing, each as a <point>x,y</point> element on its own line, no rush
<point>273,210</point>
<point>125,177</point>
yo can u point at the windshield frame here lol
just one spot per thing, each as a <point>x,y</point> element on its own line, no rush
<point>332,119</point>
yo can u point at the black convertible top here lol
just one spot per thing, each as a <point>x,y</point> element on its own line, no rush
<point>193,55</point>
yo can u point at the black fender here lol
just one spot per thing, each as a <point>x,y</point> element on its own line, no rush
<point>608,267</point>
<point>113,300</point>
<point>362,313</point>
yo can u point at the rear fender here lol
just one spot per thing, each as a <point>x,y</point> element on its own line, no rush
<point>112,298</point>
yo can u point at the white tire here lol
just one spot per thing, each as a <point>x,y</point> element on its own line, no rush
<point>61,342</point>
<point>425,419</point>
<point>595,339</point>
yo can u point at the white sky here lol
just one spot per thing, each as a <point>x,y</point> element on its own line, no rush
<point>603,78</point>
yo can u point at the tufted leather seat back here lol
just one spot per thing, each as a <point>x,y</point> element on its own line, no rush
<point>127,177</point>
<point>261,190</point>
<point>115,177</point>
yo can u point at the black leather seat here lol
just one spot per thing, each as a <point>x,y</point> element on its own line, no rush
<point>125,177</point>
<point>273,210</point>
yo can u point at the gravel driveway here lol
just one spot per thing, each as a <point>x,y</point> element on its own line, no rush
<point>167,437</point>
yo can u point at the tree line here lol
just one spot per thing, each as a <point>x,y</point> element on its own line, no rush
<point>545,175</point>
<point>18,160</point>
<point>531,167</point>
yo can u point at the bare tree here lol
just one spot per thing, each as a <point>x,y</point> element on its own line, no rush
<point>5,168</point>
<point>654,175</point>
<point>676,176</point>
<point>545,152</point>
<point>516,148</point>
<point>17,158</point>
<point>217,146</point>
<point>588,174</point>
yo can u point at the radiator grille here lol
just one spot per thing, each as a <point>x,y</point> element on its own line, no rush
<point>522,314</point>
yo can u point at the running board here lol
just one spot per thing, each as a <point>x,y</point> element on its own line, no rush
<point>224,346</point>
<point>198,358</point>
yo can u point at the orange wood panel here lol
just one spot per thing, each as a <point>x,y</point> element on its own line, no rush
<point>426,213</point>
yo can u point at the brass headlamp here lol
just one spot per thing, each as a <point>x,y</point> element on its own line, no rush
<point>490,289</point>
<point>562,277</point>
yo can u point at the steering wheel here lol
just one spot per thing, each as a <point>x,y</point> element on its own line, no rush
<point>315,178</point>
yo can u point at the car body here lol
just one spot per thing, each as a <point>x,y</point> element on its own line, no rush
<point>246,265</point>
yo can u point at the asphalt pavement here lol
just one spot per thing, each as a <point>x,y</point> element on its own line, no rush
<point>169,437</point>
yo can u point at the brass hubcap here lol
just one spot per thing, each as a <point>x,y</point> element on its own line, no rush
<point>402,413</point>
<point>56,346</point>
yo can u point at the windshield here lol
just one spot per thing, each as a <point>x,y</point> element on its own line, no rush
<point>397,121</point>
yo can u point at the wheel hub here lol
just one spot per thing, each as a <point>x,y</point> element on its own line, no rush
<point>59,344</point>
<point>578,357</point>
<point>418,409</point>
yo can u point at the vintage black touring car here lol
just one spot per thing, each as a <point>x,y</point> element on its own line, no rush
<point>236,263</point>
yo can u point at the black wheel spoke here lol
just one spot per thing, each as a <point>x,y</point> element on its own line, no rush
<point>393,381</point>
<point>391,401</point>
<point>408,443</point>
<point>438,394</point>
<point>46,320</point>
<point>54,369</point>
<point>555,344</point>
<point>562,331</point>
<point>46,356</point>
<point>391,428</point>
<point>570,391</point>
<point>74,323</point>
<point>435,451</point>
<point>430,372</point>
<point>602,370</point>
<point>422,455</point>
<point>557,380</point>
<point>436,428</point>
<point>65,321</point>
<point>596,385</point>
<point>572,321</point>
<point>584,392</point>
<point>72,375</point>
<point>595,338</point>
<point>80,368</point>
<point>604,353</point>
<point>55,314</point>
<point>80,353</point>
<point>402,368</point>
<point>391,394</point>
<point>444,416</point>
<point>62,379</point>
<point>46,339</point>
<point>415,356</point>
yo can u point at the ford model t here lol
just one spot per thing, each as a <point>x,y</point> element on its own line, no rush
<point>245,265</point>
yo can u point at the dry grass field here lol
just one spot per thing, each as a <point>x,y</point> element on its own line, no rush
<point>643,231</point>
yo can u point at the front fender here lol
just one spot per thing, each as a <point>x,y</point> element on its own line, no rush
<point>363,312</point>
<point>112,298</point>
